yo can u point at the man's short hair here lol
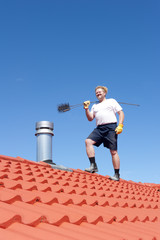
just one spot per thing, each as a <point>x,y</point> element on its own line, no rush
<point>102,87</point>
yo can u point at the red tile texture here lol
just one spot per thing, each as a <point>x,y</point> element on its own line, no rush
<point>39,202</point>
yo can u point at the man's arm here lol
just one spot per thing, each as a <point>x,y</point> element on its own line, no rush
<point>89,115</point>
<point>119,129</point>
<point>121,117</point>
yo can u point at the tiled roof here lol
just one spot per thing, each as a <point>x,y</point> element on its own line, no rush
<point>42,203</point>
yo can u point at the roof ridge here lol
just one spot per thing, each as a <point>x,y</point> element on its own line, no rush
<point>78,171</point>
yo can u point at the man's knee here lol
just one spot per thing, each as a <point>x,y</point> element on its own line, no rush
<point>113,152</point>
<point>89,142</point>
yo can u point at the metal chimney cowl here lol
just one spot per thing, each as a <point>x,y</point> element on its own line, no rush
<point>44,133</point>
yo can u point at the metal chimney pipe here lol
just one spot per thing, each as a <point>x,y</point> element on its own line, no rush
<point>44,133</point>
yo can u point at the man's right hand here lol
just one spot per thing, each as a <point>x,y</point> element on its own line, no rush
<point>86,104</point>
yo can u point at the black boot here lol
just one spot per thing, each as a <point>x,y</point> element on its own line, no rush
<point>116,177</point>
<point>92,169</point>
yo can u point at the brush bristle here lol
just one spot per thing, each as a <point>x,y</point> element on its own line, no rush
<point>63,107</point>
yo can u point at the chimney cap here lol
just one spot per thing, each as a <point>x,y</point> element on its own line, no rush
<point>44,124</point>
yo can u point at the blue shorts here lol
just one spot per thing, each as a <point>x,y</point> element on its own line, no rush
<point>105,134</point>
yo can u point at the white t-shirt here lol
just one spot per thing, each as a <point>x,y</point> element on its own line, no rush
<point>105,112</point>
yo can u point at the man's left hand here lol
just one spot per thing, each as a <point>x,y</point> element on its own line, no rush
<point>119,129</point>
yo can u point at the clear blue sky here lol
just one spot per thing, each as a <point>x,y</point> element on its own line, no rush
<point>57,51</point>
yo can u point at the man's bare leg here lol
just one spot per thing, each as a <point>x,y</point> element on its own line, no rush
<point>89,148</point>
<point>116,165</point>
<point>91,155</point>
<point>115,159</point>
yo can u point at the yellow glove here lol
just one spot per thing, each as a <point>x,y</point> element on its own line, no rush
<point>119,129</point>
<point>86,104</point>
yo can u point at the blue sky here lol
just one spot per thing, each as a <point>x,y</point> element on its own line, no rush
<point>58,51</point>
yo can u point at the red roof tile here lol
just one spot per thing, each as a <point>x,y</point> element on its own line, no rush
<point>39,202</point>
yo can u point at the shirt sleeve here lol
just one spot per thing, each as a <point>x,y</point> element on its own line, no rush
<point>116,106</point>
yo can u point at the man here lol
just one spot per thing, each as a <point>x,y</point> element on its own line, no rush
<point>106,131</point>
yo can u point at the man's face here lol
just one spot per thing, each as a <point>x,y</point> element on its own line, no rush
<point>100,94</point>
